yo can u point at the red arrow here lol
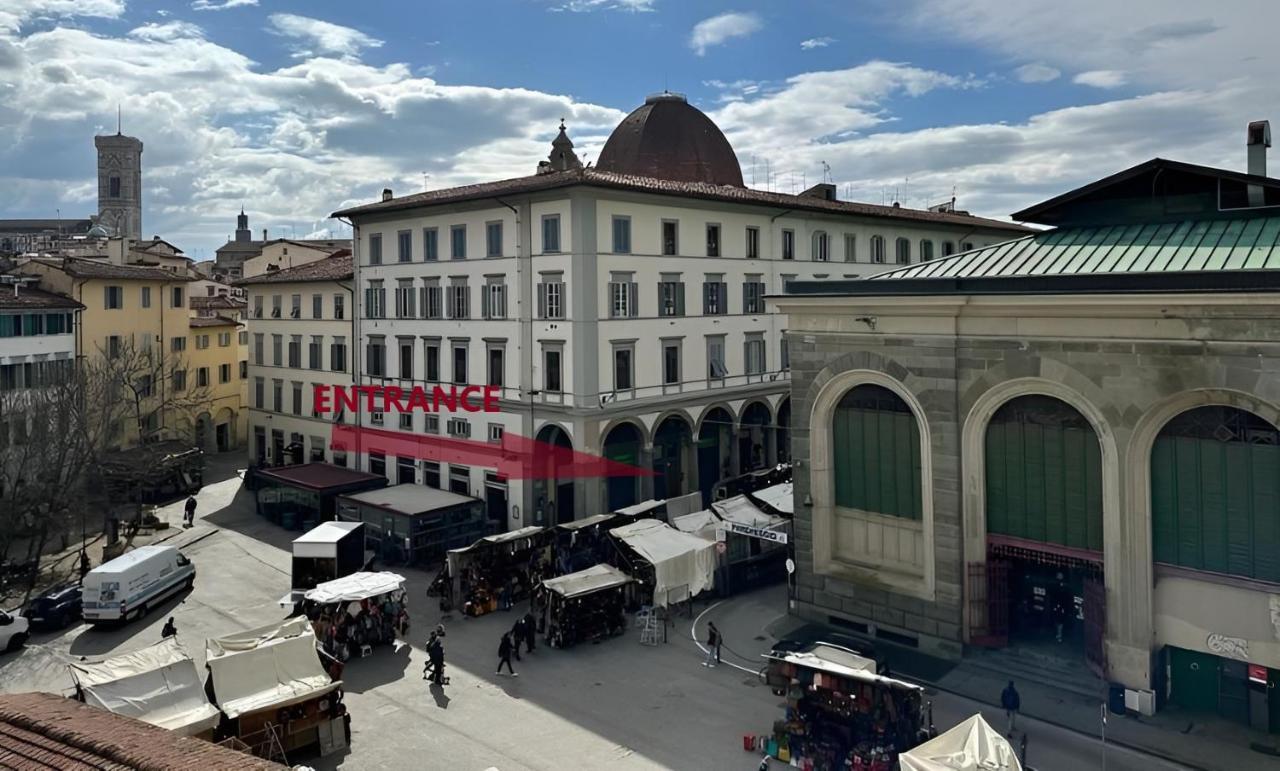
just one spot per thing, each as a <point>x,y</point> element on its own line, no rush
<point>517,457</point>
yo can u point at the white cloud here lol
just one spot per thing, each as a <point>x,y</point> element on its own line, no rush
<point>316,37</point>
<point>1100,79</point>
<point>170,30</point>
<point>1037,73</point>
<point>587,6</point>
<point>816,42</point>
<point>720,29</point>
<point>15,13</point>
<point>215,5</point>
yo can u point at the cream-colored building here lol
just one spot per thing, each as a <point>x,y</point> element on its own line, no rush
<point>300,330</point>
<point>620,308</point>
<point>217,360</point>
<point>283,254</point>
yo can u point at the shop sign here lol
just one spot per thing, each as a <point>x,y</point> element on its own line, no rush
<point>774,536</point>
<point>1257,674</point>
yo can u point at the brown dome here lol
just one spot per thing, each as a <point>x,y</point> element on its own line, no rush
<point>668,138</point>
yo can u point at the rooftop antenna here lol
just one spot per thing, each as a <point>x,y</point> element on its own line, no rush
<point>118,119</point>
<point>425,177</point>
<point>826,172</point>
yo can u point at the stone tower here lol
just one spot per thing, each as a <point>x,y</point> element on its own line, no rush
<point>120,184</point>
<point>243,234</point>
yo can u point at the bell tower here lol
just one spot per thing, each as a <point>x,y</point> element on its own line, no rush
<point>120,184</point>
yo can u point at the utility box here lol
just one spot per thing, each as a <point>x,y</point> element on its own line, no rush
<point>1141,702</point>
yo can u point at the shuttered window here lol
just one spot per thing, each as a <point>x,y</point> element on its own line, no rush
<point>877,453</point>
<point>1215,493</point>
<point>1044,474</point>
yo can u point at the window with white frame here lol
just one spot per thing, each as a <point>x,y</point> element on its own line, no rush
<point>850,247</point>
<point>715,295</point>
<point>671,362</point>
<point>493,239</point>
<point>114,297</point>
<point>405,305</point>
<point>753,294</point>
<point>624,355</point>
<point>430,244</point>
<point>338,355</point>
<point>315,352</point>
<point>432,299</point>
<point>670,295</point>
<point>459,427</point>
<point>753,353</point>
<point>788,244</point>
<point>317,306</point>
<point>621,234</point>
<point>202,342</point>
<point>179,344</point>
<point>257,306</point>
<point>404,246</point>
<point>926,250</point>
<point>459,298</point>
<point>948,248</point>
<point>276,305</point>
<point>494,303</point>
<point>375,248</point>
<point>496,364</point>
<point>550,233</point>
<point>551,369</point>
<point>339,307</point>
<point>753,243</point>
<point>902,250</point>
<point>376,357</point>
<point>670,237</point>
<point>179,382</point>
<point>551,296</point>
<point>495,433</point>
<point>458,242</point>
<point>375,300</point>
<point>821,247</point>
<point>295,306</point>
<point>877,249</point>
<point>716,369</point>
<point>623,296</point>
<point>713,240</point>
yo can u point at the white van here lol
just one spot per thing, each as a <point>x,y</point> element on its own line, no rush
<point>13,630</point>
<point>130,585</point>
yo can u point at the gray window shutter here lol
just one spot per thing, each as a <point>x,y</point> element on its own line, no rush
<point>680,299</point>
<point>564,302</point>
<point>542,295</point>
<point>724,297</point>
<point>633,306</point>
<point>661,301</point>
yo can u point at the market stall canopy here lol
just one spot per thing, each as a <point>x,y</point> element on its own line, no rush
<point>593,579</point>
<point>703,524</point>
<point>683,564</point>
<point>158,684</point>
<point>780,498</point>
<point>268,667</point>
<point>411,499</point>
<point>641,508</point>
<point>357,586</point>
<point>970,746</point>
<point>740,509</point>
<point>581,524</point>
<point>684,504</point>
<point>455,555</point>
<point>321,541</point>
<point>839,661</point>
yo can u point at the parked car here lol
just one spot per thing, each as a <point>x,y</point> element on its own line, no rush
<point>54,609</point>
<point>130,585</point>
<point>13,631</point>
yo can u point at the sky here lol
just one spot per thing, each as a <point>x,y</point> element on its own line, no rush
<point>296,109</point>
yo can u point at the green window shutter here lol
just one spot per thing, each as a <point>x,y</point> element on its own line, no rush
<point>1075,504</point>
<point>1164,502</point>
<point>1240,511</point>
<point>1055,491</point>
<point>917,503</point>
<point>842,457</point>
<point>997,495</point>
<point>1187,479</point>
<point>1015,494</point>
<point>1265,470</point>
<point>871,498</point>
<point>1034,437</point>
<point>1093,492</point>
<point>901,468</point>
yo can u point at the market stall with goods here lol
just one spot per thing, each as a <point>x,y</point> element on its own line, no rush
<point>972,745</point>
<point>273,690</point>
<point>663,509</point>
<point>756,545</point>
<point>582,543</point>
<point>840,714</point>
<point>497,570</point>
<point>353,614</point>
<point>157,684</point>
<point>586,606</point>
<point>670,565</point>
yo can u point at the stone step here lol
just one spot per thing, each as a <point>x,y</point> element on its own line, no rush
<point>1019,667</point>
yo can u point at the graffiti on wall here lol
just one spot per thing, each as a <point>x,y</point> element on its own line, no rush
<point>1275,614</point>
<point>1231,647</point>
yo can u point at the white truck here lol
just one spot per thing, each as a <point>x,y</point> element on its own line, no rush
<point>130,585</point>
<point>13,630</point>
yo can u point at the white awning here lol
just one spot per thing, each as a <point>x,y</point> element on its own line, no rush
<point>357,586</point>
<point>158,684</point>
<point>835,661</point>
<point>637,509</point>
<point>683,564</point>
<point>700,523</point>
<point>580,524</point>
<point>740,509</point>
<point>514,535</point>
<point>268,667</point>
<point>593,579</point>
<point>973,745</point>
<point>779,497</point>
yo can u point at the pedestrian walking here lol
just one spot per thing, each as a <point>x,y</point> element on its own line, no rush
<point>84,565</point>
<point>504,654</point>
<point>1011,702</point>
<point>427,668</point>
<point>530,632</point>
<point>713,645</point>
<point>719,643</point>
<point>170,629</point>
<point>517,636</point>
<point>189,517</point>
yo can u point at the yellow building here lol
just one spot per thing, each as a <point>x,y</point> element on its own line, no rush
<point>217,360</point>
<point>126,308</point>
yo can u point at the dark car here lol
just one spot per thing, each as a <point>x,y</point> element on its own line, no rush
<point>54,609</point>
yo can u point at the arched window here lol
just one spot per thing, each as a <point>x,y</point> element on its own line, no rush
<point>821,246</point>
<point>926,250</point>
<point>967,246</point>
<point>1044,474</point>
<point>1215,493</point>
<point>877,248</point>
<point>876,453</point>
<point>948,248</point>
<point>903,250</point>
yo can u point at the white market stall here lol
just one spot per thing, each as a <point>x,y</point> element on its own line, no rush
<point>780,498</point>
<point>973,745</point>
<point>681,565</point>
<point>270,682</point>
<point>157,684</point>
<point>356,587</point>
<point>496,563</point>
<point>587,605</point>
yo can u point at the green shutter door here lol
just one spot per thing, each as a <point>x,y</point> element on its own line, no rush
<point>1193,680</point>
<point>876,461</point>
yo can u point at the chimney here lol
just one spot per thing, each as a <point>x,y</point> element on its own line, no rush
<point>386,194</point>
<point>264,234</point>
<point>1258,142</point>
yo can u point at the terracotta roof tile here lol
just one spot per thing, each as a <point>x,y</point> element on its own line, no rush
<point>40,731</point>
<point>97,269</point>
<point>29,297</point>
<point>217,302</point>
<point>700,190</point>
<point>336,267</point>
<point>213,321</point>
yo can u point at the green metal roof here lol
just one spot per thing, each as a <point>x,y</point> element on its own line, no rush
<point>1171,247</point>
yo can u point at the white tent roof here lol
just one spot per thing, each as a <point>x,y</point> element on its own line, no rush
<point>740,509</point>
<point>970,746</point>
<point>514,535</point>
<point>700,523</point>
<point>683,564</point>
<point>268,667</point>
<point>357,586</point>
<point>592,579</point>
<point>579,524</point>
<point>158,684</point>
<point>837,661</point>
<point>327,532</point>
<point>636,509</point>
<point>780,497</point>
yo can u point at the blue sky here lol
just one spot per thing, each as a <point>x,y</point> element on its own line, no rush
<point>298,108</point>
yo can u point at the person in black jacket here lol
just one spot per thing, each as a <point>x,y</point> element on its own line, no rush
<point>1011,702</point>
<point>530,632</point>
<point>504,654</point>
